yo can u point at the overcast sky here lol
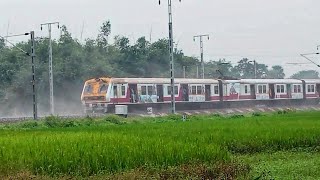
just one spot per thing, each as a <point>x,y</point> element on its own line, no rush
<point>271,32</point>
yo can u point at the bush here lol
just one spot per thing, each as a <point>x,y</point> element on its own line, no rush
<point>114,119</point>
<point>236,116</point>
<point>52,121</point>
<point>174,117</point>
<point>286,111</point>
<point>256,114</point>
<point>69,123</point>
<point>216,115</point>
<point>30,124</point>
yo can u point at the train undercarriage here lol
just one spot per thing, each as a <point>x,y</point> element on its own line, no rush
<point>165,107</point>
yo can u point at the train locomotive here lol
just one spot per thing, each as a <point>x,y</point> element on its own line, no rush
<point>99,93</point>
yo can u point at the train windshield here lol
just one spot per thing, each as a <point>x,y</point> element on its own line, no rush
<point>103,88</point>
<point>88,88</point>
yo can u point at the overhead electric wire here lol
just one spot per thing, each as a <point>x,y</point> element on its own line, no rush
<point>28,54</point>
<point>304,55</point>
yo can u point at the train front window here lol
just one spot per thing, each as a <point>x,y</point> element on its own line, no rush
<point>88,89</point>
<point>103,88</point>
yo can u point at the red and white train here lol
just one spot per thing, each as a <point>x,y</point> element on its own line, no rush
<point>98,93</point>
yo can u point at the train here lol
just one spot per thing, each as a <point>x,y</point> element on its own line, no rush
<point>99,93</point>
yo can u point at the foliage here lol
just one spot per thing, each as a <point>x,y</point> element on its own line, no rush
<point>309,74</point>
<point>276,72</point>
<point>283,165</point>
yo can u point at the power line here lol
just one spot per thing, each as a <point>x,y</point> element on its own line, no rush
<point>305,56</point>
<point>6,40</point>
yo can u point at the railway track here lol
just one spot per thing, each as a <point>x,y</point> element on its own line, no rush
<point>225,111</point>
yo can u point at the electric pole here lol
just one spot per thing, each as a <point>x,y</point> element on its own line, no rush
<point>32,54</point>
<point>50,65</point>
<point>201,50</point>
<point>173,103</point>
<point>35,109</point>
<point>255,68</point>
<point>197,71</point>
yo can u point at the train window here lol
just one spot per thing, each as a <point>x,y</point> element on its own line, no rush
<point>280,88</point>
<point>115,91</point>
<point>175,90</point>
<point>193,89</point>
<point>311,88</point>
<point>123,90</point>
<point>246,89</point>
<point>264,89</point>
<point>88,89</point>
<point>150,90</point>
<point>143,90</point>
<point>297,88</point>
<point>199,89</point>
<point>260,89</point>
<point>216,90</point>
<point>103,88</point>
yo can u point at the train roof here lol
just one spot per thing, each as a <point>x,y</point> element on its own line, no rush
<point>315,81</point>
<point>271,81</point>
<point>102,79</point>
<point>163,81</point>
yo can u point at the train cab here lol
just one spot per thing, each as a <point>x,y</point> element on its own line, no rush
<point>96,94</point>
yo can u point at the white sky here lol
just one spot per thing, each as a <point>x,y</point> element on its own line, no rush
<point>271,32</point>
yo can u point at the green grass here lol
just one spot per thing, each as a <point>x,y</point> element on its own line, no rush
<point>86,147</point>
<point>284,165</point>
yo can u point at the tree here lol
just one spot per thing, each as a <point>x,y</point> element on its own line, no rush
<point>308,74</point>
<point>276,72</point>
<point>218,69</point>
<point>246,69</point>
<point>2,43</point>
<point>103,36</point>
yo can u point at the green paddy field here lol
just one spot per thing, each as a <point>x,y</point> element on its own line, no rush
<point>282,145</point>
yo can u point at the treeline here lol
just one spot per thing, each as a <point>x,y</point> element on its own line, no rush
<point>75,62</point>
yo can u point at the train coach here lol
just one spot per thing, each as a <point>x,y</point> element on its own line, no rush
<point>98,93</point>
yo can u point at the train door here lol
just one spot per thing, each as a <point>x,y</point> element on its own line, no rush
<point>208,92</point>
<point>133,93</point>
<point>271,91</point>
<point>160,92</point>
<point>318,89</point>
<point>185,92</point>
<point>253,91</point>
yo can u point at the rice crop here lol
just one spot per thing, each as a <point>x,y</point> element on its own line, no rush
<point>88,147</point>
